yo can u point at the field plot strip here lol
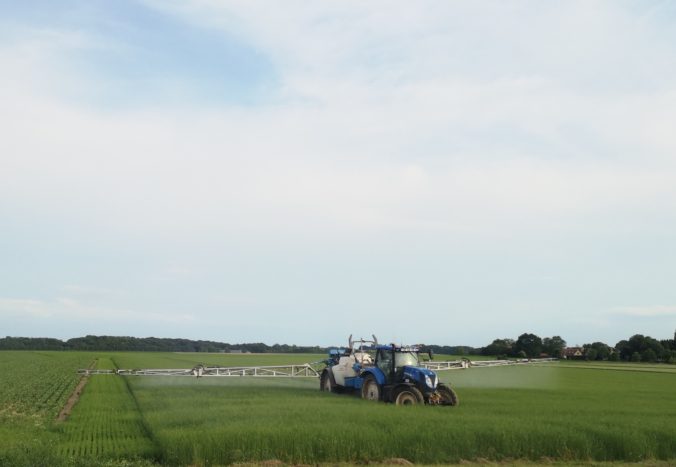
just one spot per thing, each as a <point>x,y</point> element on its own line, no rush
<point>663,369</point>
<point>34,386</point>
<point>75,396</point>
<point>107,423</point>
<point>37,384</point>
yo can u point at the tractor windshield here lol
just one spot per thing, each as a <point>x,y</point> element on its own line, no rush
<point>405,359</point>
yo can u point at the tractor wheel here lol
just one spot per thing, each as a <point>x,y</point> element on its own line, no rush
<point>407,395</point>
<point>326,383</point>
<point>448,396</point>
<point>370,389</point>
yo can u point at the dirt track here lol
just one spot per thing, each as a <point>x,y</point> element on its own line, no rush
<point>74,397</point>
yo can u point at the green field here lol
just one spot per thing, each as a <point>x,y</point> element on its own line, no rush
<point>564,411</point>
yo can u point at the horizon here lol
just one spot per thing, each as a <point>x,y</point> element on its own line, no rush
<point>446,172</point>
<point>269,344</point>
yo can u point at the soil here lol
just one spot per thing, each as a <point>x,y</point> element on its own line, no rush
<point>74,397</point>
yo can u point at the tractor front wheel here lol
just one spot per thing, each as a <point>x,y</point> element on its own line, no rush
<point>408,395</point>
<point>448,396</point>
<point>370,389</point>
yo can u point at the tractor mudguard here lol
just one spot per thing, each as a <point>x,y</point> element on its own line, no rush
<point>402,385</point>
<point>353,382</point>
<point>377,374</point>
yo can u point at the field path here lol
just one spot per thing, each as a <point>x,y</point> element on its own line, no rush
<point>75,396</point>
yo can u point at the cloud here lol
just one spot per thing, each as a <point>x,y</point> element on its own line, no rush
<point>15,306</point>
<point>654,311</point>
<point>304,169</point>
<point>365,153</point>
<point>400,42</point>
<point>440,126</point>
<point>88,291</point>
<point>69,309</point>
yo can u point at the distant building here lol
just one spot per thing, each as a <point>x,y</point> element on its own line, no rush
<point>573,352</point>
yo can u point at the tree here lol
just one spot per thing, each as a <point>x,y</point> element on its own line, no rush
<point>600,350</point>
<point>530,344</point>
<point>591,354</point>
<point>648,355</point>
<point>553,346</point>
<point>665,356</point>
<point>672,357</point>
<point>623,349</point>
<point>498,347</point>
<point>654,345</point>
<point>635,357</point>
<point>639,343</point>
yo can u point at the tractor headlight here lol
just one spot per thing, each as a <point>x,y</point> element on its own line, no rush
<point>430,382</point>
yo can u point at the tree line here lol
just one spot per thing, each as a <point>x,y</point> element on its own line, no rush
<point>638,348</point>
<point>154,344</point>
<point>527,345</point>
<point>150,344</point>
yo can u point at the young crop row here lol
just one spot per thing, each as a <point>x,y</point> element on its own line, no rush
<point>106,423</point>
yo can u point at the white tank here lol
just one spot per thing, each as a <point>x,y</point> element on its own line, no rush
<point>344,368</point>
<point>363,358</point>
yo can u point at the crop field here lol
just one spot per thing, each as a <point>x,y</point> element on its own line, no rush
<point>563,411</point>
<point>107,423</point>
<point>34,386</point>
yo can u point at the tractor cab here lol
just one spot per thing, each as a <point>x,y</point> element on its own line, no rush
<point>391,359</point>
<point>396,361</point>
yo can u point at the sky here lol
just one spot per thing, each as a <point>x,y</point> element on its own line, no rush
<point>446,172</point>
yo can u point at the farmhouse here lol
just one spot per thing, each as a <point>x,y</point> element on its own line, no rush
<point>573,352</point>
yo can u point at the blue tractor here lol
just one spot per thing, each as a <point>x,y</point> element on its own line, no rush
<point>389,373</point>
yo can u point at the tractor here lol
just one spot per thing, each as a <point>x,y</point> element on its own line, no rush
<point>389,373</point>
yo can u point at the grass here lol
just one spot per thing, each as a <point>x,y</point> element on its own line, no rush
<point>513,412</point>
<point>37,384</point>
<point>571,412</point>
<point>107,423</point>
<point>622,366</point>
<point>34,386</point>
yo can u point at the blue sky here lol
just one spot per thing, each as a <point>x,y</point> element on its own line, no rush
<point>441,172</point>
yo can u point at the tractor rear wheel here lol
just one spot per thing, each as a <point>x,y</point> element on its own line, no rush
<point>448,396</point>
<point>408,395</point>
<point>370,389</point>
<point>326,382</point>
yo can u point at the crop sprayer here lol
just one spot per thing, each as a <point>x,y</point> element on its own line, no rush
<point>389,373</point>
